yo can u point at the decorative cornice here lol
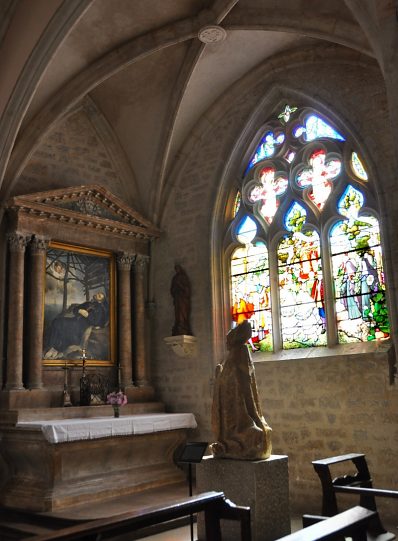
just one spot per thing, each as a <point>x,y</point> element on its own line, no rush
<point>90,206</point>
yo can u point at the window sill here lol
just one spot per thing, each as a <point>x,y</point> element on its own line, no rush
<point>363,348</point>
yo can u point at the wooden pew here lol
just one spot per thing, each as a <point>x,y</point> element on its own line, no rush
<point>214,505</point>
<point>351,523</point>
<point>359,484</point>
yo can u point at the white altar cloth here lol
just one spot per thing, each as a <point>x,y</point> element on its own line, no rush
<point>63,430</point>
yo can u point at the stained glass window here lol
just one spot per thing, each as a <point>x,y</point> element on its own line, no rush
<point>361,308</point>
<point>266,148</point>
<point>247,230</point>
<point>238,200</point>
<point>310,240</point>
<point>358,167</point>
<point>318,175</point>
<point>315,128</point>
<point>300,283</point>
<point>268,192</point>
<point>250,292</point>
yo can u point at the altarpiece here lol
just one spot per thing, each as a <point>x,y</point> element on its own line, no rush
<point>76,267</point>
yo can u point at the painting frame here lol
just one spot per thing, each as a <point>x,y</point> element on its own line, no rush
<point>86,314</point>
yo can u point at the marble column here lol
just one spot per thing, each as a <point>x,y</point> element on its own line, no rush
<point>140,365</point>
<point>38,250</point>
<point>124,262</point>
<point>17,244</point>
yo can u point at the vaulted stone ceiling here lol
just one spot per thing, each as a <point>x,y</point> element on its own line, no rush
<point>115,87</point>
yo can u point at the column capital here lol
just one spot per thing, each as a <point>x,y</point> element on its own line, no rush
<point>38,245</point>
<point>125,260</point>
<point>17,242</point>
<point>141,262</point>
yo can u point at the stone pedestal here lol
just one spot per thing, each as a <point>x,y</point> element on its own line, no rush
<point>262,485</point>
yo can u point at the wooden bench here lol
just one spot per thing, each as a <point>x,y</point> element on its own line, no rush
<point>351,523</point>
<point>360,484</point>
<point>213,504</point>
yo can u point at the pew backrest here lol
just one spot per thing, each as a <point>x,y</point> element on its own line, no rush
<point>214,505</point>
<point>351,523</point>
<point>359,483</point>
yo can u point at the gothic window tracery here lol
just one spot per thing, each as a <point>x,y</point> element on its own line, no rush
<point>306,267</point>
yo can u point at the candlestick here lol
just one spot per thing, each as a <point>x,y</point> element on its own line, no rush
<point>66,401</point>
<point>85,392</point>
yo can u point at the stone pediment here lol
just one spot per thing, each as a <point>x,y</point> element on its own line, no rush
<point>90,206</point>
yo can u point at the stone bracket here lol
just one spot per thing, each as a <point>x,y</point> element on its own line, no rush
<point>183,345</point>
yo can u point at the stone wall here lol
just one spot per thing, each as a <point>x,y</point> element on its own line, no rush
<point>327,406</point>
<point>72,154</point>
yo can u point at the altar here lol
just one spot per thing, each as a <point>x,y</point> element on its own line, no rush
<point>77,262</point>
<point>55,463</point>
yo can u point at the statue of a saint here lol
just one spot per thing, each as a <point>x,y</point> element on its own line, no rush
<point>181,293</point>
<point>237,420</point>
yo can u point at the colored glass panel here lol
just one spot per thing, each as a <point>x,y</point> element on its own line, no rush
<point>290,155</point>
<point>357,167</point>
<point>356,259</point>
<point>238,200</point>
<point>269,191</point>
<point>246,230</point>
<point>349,206</point>
<point>250,292</point>
<point>301,292</point>
<point>284,116</point>
<point>315,128</point>
<point>295,217</point>
<point>360,299</point>
<point>319,176</point>
<point>266,148</point>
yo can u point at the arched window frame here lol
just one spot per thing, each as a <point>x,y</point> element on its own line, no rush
<point>321,221</point>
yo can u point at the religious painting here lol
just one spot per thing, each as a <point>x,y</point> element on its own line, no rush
<point>79,306</point>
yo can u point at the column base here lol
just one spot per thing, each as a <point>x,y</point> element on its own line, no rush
<point>25,398</point>
<point>140,394</point>
<point>34,386</point>
<point>142,383</point>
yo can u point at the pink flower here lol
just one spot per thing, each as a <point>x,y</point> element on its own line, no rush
<point>116,399</point>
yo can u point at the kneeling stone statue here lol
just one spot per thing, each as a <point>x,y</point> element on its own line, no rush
<point>237,420</point>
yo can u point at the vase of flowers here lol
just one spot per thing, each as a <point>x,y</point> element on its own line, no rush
<point>116,400</point>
